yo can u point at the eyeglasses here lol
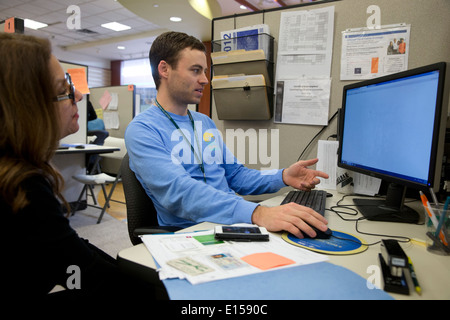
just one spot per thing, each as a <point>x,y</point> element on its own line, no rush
<point>71,94</point>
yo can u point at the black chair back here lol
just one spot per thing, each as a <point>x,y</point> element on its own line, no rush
<point>140,209</point>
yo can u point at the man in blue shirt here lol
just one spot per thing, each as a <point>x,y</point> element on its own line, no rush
<point>184,166</point>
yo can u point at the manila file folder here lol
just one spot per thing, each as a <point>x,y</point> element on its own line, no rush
<point>242,97</point>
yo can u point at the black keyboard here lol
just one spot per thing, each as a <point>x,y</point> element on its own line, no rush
<point>314,199</point>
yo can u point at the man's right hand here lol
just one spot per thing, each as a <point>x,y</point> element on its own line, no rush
<point>290,217</point>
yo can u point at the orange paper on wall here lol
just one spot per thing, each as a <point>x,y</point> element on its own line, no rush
<point>374,68</point>
<point>267,260</point>
<point>9,25</point>
<point>79,79</point>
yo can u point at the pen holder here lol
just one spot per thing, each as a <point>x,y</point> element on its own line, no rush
<point>438,243</point>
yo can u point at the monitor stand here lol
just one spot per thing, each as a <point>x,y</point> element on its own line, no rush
<point>392,209</point>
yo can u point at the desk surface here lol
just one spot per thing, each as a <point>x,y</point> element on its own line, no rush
<point>432,270</point>
<point>88,149</point>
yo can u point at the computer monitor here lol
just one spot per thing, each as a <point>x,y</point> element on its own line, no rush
<point>391,128</point>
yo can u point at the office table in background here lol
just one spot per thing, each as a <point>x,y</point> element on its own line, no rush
<point>87,149</point>
<point>68,161</point>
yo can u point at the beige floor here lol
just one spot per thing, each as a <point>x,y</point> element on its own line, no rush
<point>116,210</point>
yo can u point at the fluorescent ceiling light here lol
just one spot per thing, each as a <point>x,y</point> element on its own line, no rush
<point>34,24</point>
<point>243,7</point>
<point>121,47</point>
<point>115,26</point>
<point>175,19</point>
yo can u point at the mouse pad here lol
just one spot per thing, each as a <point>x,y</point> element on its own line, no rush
<point>339,243</point>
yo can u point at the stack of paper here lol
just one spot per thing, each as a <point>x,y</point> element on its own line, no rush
<point>199,258</point>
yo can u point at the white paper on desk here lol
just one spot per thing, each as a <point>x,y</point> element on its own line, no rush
<point>328,159</point>
<point>327,154</point>
<point>167,247</point>
<point>366,185</point>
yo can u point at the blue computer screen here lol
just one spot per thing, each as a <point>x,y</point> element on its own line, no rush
<point>389,126</point>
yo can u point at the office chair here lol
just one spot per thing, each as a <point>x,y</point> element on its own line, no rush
<point>141,213</point>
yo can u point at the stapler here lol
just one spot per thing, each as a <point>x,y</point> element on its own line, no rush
<point>393,262</point>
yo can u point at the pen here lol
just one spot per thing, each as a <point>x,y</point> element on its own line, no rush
<point>432,216</point>
<point>433,196</point>
<point>442,218</point>
<point>414,277</point>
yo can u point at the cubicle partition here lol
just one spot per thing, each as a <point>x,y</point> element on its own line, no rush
<point>427,24</point>
<point>116,105</point>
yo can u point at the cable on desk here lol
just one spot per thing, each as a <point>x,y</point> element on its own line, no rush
<point>354,212</point>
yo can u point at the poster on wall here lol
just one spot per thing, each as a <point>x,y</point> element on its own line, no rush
<point>305,45</point>
<point>304,101</point>
<point>371,53</point>
<point>303,68</point>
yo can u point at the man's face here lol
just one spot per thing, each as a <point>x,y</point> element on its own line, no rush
<point>187,80</point>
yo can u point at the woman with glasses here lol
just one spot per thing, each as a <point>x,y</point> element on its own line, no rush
<point>38,107</point>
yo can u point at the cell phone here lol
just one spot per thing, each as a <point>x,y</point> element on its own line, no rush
<point>241,233</point>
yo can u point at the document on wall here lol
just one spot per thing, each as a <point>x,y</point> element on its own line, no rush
<point>105,99</point>
<point>305,43</point>
<point>303,101</point>
<point>111,120</point>
<point>114,103</point>
<point>198,257</point>
<point>371,53</point>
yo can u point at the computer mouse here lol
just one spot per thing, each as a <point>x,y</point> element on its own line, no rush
<point>320,234</point>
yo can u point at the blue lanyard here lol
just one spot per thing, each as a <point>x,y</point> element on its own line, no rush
<point>199,158</point>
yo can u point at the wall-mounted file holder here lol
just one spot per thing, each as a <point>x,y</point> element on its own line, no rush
<point>248,96</point>
<point>244,97</point>
<point>243,62</point>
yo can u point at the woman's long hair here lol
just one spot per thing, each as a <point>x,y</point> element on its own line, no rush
<point>29,119</point>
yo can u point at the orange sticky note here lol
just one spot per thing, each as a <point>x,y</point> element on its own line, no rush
<point>79,79</point>
<point>374,68</point>
<point>267,260</point>
<point>9,25</point>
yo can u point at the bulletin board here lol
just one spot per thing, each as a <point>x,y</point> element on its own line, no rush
<point>429,43</point>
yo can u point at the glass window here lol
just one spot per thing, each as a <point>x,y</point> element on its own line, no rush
<point>138,72</point>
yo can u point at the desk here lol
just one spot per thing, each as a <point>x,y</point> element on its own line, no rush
<point>88,149</point>
<point>72,161</point>
<point>432,270</point>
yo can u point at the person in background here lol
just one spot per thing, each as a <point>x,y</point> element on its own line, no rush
<point>38,107</point>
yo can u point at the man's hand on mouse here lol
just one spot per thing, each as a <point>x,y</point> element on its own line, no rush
<point>290,217</point>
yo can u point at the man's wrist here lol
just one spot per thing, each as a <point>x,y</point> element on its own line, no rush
<point>256,214</point>
<point>283,172</point>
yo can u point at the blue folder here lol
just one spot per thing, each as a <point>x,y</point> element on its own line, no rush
<point>309,282</point>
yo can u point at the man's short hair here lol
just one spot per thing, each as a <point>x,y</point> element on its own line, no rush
<point>167,47</point>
